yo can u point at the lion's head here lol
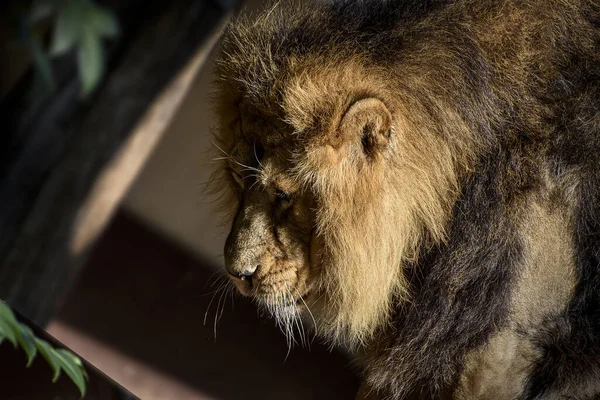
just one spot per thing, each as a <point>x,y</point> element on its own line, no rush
<point>336,171</point>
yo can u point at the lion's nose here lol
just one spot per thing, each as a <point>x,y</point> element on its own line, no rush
<point>245,274</point>
<point>239,271</point>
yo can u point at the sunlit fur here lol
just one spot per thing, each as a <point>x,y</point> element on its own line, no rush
<point>372,216</point>
<point>413,245</point>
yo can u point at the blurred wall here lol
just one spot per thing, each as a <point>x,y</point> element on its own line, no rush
<point>169,194</point>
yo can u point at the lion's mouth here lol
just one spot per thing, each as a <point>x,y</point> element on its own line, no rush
<point>248,279</point>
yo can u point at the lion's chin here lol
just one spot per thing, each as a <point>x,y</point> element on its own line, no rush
<point>284,314</point>
<point>279,304</point>
<point>292,316</point>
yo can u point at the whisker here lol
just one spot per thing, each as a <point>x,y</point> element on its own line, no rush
<point>255,156</point>
<point>251,186</point>
<point>299,324</point>
<point>234,160</point>
<point>223,151</point>
<point>214,278</point>
<point>309,312</point>
<point>290,319</point>
<point>304,331</point>
<point>211,301</point>
<point>232,293</point>
<point>217,317</point>
<point>209,293</point>
<point>246,167</point>
<point>226,292</point>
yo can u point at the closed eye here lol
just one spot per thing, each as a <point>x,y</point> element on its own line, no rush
<point>284,196</point>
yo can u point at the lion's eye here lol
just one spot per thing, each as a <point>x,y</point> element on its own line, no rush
<point>283,196</point>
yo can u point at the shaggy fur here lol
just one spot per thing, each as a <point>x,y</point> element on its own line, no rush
<point>421,181</point>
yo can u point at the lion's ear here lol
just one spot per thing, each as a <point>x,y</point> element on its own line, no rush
<point>371,121</point>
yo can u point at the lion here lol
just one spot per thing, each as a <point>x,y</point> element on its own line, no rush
<point>419,181</point>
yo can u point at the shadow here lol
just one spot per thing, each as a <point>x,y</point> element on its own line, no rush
<point>34,382</point>
<point>145,297</point>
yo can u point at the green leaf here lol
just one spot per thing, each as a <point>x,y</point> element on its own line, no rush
<point>67,29</point>
<point>8,324</point>
<point>58,359</point>
<point>82,25</point>
<point>73,368</point>
<point>27,340</point>
<point>91,61</point>
<point>74,17</point>
<point>7,314</point>
<point>76,360</point>
<point>103,22</point>
<point>47,352</point>
<point>7,331</point>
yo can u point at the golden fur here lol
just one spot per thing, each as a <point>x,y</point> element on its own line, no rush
<point>386,213</point>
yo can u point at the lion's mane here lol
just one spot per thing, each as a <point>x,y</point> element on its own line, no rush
<point>495,111</point>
